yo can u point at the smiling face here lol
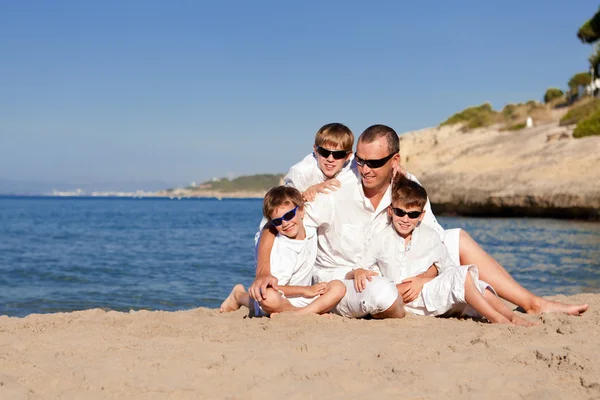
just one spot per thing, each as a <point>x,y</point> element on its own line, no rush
<point>329,165</point>
<point>294,228</point>
<point>404,225</point>
<point>376,178</point>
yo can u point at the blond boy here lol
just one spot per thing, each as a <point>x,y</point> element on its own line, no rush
<point>328,166</point>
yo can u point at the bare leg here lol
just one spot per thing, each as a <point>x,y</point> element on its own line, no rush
<point>237,298</point>
<point>275,303</point>
<point>493,273</point>
<point>476,300</point>
<point>499,306</point>
<point>395,311</point>
<point>334,291</point>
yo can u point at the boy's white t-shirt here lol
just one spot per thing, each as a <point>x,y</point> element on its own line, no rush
<point>307,173</point>
<point>390,257</point>
<point>292,261</point>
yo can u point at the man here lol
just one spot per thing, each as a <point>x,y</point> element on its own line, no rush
<point>460,244</point>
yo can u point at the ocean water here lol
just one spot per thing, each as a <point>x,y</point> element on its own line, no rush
<point>65,254</point>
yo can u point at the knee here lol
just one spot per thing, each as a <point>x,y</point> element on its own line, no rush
<point>272,301</point>
<point>337,287</point>
<point>383,293</point>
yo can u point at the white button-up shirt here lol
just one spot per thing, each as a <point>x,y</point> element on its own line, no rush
<point>391,257</point>
<point>347,223</point>
<point>307,173</point>
<point>292,261</point>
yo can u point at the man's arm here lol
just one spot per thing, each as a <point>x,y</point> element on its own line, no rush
<point>264,279</point>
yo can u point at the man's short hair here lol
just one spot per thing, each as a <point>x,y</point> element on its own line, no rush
<point>280,196</point>
<point>375,132</point>
<point>408,192</point>
<point>335,134</point>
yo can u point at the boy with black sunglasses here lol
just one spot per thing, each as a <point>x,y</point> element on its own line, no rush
<point>413,256</point>
<point>292,258</point>
<point>328,166</point>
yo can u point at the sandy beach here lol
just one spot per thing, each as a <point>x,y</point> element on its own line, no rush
<point>203,354</point>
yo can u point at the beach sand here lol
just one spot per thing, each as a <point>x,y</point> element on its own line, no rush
<point>203,354</point>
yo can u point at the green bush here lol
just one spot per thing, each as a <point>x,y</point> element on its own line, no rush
<point>510,111</point>
<point>516,127</point>
<point>474,117</point>
<point>580,112</point>
<point>552,94</point>
<point>243,183</point>
<point>589,126</point>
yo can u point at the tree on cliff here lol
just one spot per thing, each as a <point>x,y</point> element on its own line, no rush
<point>579,80</point>
<point>589,32</point>
<point>551,94</point>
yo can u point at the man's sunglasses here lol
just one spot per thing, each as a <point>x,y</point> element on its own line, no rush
<point>373,163</point>
<point>337,154</point>
<point>411,214</point>
<point>285,217</point>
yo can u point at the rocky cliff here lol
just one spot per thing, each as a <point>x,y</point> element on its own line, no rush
<point>538,171</point>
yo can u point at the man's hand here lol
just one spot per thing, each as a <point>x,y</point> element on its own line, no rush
<point>361,276</point>
<point>315,290</point>
<point>258,289</point>
<point>411,288</point>
<point>330,184</point>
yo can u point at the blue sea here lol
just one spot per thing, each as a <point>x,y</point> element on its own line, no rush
<point>65,254</point>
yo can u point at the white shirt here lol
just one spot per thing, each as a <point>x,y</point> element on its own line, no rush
<point>346,224</point>
<point>307,173</point>
<point>292,261</point>
<point>389,256</point>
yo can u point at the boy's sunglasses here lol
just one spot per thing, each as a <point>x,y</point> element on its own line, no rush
<point>411,214</point>
<point>285,217</point>
<point>337,154</point>
<point>373,163</point>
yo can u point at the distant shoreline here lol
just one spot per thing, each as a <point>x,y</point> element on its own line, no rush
<point>440,209</point>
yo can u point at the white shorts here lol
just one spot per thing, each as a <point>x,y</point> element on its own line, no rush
<point>378,296</point>
<point>445,294</point>
<point>451,240</point>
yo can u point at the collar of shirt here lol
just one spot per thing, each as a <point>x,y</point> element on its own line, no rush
<point>295,244</point>
<point>386,200</point>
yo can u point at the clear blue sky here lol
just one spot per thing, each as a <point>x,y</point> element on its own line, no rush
<point>187,90</point>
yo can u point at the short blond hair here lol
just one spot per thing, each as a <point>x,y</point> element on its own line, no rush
<point>335,134</point>
<point>280,196</point>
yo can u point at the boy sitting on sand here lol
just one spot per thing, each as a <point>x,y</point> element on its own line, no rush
<point>414,257</point>
<point>292,260</point>
<point>328,166</point>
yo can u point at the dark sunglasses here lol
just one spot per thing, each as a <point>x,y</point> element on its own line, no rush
<point>337,154</point>
<point>285,217</point>
<point>411,214</point>
<point>373,163</point>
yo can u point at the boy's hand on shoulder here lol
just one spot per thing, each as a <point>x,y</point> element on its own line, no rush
<point>412,287</point>
<point>361,276</point>
<point>315,290</point>
<point>311,193</point>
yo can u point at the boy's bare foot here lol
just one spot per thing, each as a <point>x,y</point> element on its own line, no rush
<point>542,306</point>
<point>516,320</point>
<point>501,319</point>
<point>231,303</point>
